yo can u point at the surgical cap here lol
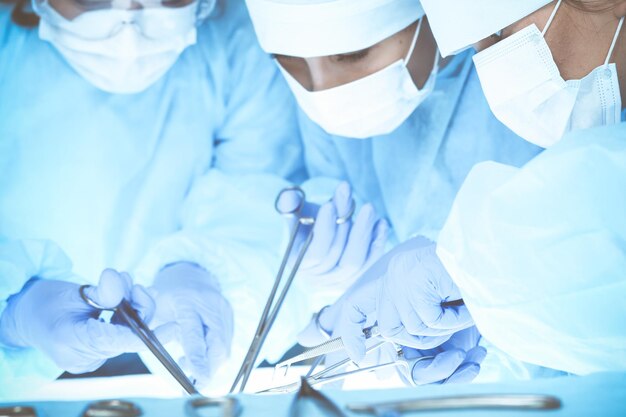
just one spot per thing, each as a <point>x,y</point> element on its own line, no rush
<point>309,28</point>
<point>457,24</point>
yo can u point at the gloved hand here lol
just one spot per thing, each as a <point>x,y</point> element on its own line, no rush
<point>51,316</point>
<point>190,297</point>
<point>403,293</point>
<point>338,253</point>
<point>456,361</point>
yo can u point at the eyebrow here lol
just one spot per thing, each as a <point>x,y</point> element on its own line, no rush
<point>353,55</point>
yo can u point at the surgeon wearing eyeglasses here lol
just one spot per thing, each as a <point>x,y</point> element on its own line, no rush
<point>380,109</point>
<point>536,252</point>
<point>137,136</point>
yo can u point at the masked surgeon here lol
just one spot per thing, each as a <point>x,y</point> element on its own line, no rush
<point>380,108</point>
<point>142,136</point>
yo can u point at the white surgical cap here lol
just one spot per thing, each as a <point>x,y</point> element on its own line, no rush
<point>458,24</point>
<point>308,28</point>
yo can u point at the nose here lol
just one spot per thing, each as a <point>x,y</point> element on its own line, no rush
<point>322,76</point>
<point>126,4</point>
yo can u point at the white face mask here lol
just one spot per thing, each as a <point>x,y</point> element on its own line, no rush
<point>527,93</point>
<point>128,61</point>
<point>373,105</point>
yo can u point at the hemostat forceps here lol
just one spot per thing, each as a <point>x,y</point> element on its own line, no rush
<point>404,365</point>
<point>269,314</point>
<point>329,346</point>
<point>132,319</point>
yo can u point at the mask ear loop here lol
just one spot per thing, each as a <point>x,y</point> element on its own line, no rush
<point>413,42</point>
<point>617,32</point>
<point>551,18</point>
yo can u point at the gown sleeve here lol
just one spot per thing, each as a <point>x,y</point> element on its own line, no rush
<point>539,253</point>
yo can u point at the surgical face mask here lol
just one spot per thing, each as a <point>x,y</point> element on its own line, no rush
<point>126,61</point>
<point>374,105</point>
<point>526,92</point>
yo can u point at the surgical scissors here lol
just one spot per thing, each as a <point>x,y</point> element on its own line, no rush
<point>132,319</point>
<point>307,392</point>
<point>112,408</point>
<point>269,314</point>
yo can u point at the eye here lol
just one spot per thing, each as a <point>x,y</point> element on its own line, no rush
<point>353,56</point>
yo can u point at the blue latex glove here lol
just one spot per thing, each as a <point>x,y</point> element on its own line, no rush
<point>455,361</point>
<point>52,317</point>
<point>190,297</point>
<point>403,293</point>
<point>338,253</point>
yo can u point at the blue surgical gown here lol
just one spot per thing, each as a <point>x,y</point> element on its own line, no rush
<point>412,175</point>
<point>186,170</point>
<point>539,252</point>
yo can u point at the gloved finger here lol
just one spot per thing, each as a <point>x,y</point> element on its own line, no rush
<point>414,325</point>
<point>311,335</point>
<point>350,329</point>
<point>143,303</point>
<point>289,201</point>
<point>335,235</point>
<point>361,235</point>
<point>379,242</point>
<point>218,353</point>
<point>323,236</point>
<point>443,365</point>
<point>105,340</point>
<point>342,200</point>
<point>476,355</point>
<point>194,346</point>
<point>444,318</point>
<point>391,326</point>
<point>111,289</point>
<point>330,261</point>
<point>166,332</point>
<point>464,374</point>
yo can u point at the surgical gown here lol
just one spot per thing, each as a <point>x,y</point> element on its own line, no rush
<point>539,253</point>
<point>186,170</point>
<point>412,175</point>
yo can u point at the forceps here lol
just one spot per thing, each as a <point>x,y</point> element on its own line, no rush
<point>269,314</point>
<point>405,365</point>
<point>461,402</point>
<point>324,348</point>
<point>132,319</point>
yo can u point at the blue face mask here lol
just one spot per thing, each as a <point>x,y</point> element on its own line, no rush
<point>371,106</point>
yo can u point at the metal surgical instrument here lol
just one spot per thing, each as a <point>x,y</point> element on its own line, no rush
<point>405,365</point>
<point>269,314</point>
<point>329,346</point>
<point>112,408</point>
<point>461,402</point>
<point>307,392</point>
<point>230,406</point>
<point>132,319</point>
<point>18,411</point>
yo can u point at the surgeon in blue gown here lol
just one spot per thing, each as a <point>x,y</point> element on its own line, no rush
<point>380,109</point>
<point>536,252</point>
<point>151,140</point>
<point>539,252</point>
